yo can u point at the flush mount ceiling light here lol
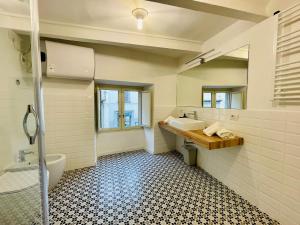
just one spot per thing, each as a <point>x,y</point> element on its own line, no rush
<point>140,14</point>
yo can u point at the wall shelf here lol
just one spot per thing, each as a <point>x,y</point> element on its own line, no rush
<point>198,138</point>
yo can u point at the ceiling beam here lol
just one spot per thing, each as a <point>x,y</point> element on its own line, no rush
<point>84,33</point>
<point>74,32</point>
<point>253,10</point>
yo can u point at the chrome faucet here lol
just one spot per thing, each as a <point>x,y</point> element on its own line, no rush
<point>23,153</point>
<point>193,113</point>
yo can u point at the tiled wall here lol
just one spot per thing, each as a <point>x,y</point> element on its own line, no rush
<point>163,140</point>
<point>266,169</point>
<point>69,118</point>
<point>14,99</point>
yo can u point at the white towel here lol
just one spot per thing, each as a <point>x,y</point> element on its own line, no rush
<point>169,119</point>
<point>225,134</point>
<point>212,129</point>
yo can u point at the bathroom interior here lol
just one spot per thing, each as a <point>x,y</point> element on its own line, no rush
<point>150,112</point>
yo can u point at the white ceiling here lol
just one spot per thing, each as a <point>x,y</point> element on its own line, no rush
<point>164,20</point>
<point>116,14</point>
<point>15,6</point>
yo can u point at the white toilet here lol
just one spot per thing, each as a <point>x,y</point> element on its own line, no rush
<point>56,166</point>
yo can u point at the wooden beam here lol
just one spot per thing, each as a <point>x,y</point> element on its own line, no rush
<point>238,9</point>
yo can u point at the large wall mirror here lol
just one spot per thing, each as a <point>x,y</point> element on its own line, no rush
<point>219,83</point>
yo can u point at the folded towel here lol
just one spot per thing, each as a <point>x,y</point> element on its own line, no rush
<point>169,119</point>
<point>225,134</point>
<point>212,129</point>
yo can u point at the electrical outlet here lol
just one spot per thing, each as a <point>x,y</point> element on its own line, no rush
<point>234,117</point>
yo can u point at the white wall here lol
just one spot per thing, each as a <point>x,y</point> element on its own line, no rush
<point>265,170</point>
<point>127,65</point>
<point>69,121</point>
<point>109,142</point>
<point>219,72</point>
<point>13,101</point>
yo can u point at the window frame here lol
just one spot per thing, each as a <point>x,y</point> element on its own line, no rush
<point>214,91</point>
<point>121,106</point>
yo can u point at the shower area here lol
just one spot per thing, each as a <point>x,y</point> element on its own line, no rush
<point>23,174</point>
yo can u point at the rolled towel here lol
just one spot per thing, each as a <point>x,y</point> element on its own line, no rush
<point>212,129</point>
<point>169,119</point>
<point>225,134</point>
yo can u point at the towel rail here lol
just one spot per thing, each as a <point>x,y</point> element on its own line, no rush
<point>290,20</point>
<point>287,88</point>
<point>287,68</point>
<point>283,83</point>
<point>287,74</point>
<point>290,43</point>
<point>290,8</point>
<point>285,93</point>
<point>289,39</point>
<point>281,16</point>
<point>288,98</point>
<point>288,49</point>
<point>286,64</point>
<point>288,34</point>
<point>286,77</point>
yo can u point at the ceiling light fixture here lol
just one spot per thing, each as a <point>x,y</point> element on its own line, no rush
<point>140,14</point>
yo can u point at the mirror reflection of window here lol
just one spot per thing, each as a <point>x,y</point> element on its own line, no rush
<point>236,100</point>
<point>221,79</point>
<point>207,100</point>
<point>222,100</point>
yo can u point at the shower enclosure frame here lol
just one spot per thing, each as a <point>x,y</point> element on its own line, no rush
<point>39,106</point>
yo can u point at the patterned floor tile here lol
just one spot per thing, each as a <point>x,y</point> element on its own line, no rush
<point>140,188</point>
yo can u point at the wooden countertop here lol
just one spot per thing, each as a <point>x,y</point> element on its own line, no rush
<point>197,136</point>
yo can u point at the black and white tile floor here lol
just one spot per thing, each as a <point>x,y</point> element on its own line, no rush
<point>140,188</point>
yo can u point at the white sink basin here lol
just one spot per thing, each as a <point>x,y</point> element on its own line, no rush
<point>187,124</point>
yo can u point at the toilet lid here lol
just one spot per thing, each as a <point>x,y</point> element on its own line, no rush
<point>18,180</point>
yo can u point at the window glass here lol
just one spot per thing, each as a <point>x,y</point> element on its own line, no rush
<point>236,100</point>
<point>207,100</point>
<point>131,109</point>
<point>109,109</point>
<point>222,100</point>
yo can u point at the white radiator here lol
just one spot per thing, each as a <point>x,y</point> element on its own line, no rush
<point>287,71</point>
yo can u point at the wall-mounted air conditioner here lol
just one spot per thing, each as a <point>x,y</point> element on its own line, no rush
<point>67,61</point>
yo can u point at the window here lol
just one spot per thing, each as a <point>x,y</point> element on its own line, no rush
<point>118,107</point>
<point>223,98</point>
<point>109,108</point>
<point>132,108</point>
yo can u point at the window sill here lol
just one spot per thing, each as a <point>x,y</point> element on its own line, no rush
<point>119,130</point>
